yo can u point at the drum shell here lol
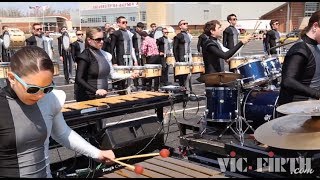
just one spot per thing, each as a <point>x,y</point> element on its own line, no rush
<point>181,68</point>
<point>237,61</point>
<point>122,69</point>
<point>259,106</point>
<point>140,70</point>
<point>221,103</point>
<point>198,68</point>
<point>197,58</point>
<point>273,67</point>
<point>153,70</point>
<point>253,73</point>
<point>4,68</point>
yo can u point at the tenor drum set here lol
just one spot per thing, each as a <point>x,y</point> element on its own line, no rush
<point>249,94</point>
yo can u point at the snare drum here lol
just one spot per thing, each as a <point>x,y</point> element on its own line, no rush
<point>236,61</point>
<point>56,71</point>
<point>140,70</point>
<point>122,69</point>
<point>253,73</point>
<point>181,68</point>
<point>170,59</point>
<point>197,68</point>
<point>152,70</point>
<point>273,67</point>
<point>197,58</point>
<point>4,68</point>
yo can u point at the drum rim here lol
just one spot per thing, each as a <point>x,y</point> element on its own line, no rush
<point>238,58</point>
<point>4,63</point>
<point>272,58</point>
<point>152,65</point>
<point>197,63</point>
<point>122,67</point>
<point>257,80</point>
<point>221,88</point>
<point>251,61</point>
<point>182,63</point>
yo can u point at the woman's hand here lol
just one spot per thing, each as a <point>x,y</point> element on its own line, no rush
<point>105,156</point>
<point>135,74</point>
<point>101,92</point>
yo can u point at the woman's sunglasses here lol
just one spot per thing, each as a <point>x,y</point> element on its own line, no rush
<point>32,89</point>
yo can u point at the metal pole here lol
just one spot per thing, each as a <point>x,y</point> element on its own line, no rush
<point>43,17</point>
<point>79,19</point>
<point>288,18</point>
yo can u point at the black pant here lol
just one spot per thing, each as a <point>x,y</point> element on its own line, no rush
<point>153,60</point>
<point>67,65</point>
<point>165,71</point>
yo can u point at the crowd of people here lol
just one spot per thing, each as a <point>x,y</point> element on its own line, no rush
<point>31,107</point>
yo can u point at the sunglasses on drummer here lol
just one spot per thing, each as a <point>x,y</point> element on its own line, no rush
<point>39,29</point>
<point>97,39</point>
<point>33,89</point>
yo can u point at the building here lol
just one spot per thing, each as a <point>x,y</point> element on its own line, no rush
<point>50,23</point>
<point>292,15</point>
<point>167,13</point>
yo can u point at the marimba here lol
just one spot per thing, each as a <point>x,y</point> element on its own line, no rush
<point>89,111</point>
<point>158,167</point>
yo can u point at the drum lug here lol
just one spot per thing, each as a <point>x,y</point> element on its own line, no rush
<point>267,117</point>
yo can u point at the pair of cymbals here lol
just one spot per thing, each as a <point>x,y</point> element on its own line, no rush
<point>298,130</point>
<point>219,78</point>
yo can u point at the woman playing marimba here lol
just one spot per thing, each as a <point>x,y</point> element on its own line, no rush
<point>30,112</point>
<point>94,68</point>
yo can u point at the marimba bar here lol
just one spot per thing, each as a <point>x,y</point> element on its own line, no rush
<point>158,167</point>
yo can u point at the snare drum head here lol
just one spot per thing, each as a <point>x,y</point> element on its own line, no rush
<point>6,40</point>
<point>138,67</point>
<point>122,67</point>
<point>65,41</point>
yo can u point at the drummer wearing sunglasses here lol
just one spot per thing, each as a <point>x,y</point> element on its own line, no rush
<point>30,114</point>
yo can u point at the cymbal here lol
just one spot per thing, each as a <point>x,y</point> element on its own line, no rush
<point>308,108</point>
<point>219,78</point>
<point>294,132</point>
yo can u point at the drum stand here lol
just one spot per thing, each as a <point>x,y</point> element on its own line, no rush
<point>238,120</point>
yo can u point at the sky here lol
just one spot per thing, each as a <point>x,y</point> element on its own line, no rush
<point>24,6</point>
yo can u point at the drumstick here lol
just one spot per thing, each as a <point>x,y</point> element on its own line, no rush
<point>163,153</point>
<point>137,168</point>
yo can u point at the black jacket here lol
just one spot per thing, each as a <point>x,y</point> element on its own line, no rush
<point>106,43</point>
<point>228,40</point>
<point>271,41</point>
<point>75,50</point>
<point>31,41</point>
<point>201,39</point>
<point>214,57</point>
<point>178,47</point>
<point>117,47</point>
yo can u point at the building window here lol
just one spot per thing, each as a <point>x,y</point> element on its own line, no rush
<point>205,14</point>
<point>143,16</point>
<point>132,18</point>
<point>104,19</point>
<point>310,8</point>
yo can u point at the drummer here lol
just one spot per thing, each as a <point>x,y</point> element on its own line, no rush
<point>300,70</point>
<point>215,53</point>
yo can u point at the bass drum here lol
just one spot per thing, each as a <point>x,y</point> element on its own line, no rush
<point>65,41</point>
<point>259,106</point>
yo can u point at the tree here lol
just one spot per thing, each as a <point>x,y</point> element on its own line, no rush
<point>50,12</point>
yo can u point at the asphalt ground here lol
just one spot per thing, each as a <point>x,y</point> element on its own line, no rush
<point>192,112</point>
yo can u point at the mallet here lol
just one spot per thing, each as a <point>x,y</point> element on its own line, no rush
<point>163,153</point>
<point>137,168</point>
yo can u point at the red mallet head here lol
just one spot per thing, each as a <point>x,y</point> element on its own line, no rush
<point>164,153</point>
<point>138,169</point>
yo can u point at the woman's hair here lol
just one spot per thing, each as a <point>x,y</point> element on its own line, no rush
<point>29,60</point>
<point>315,17</point>
<point>143,34</point>
<point>109,29</point>
<point>210,25</point>
<point>89,34</point>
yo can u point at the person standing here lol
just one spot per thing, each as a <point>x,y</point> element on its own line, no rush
<point>137,41</point>
<point>122,49</point>
<point>165,48</point>
<point>149,48</point>
<point>231,33</point>
<point>5,53</point>
<point>182,48</point>
<point>153,29</point>
<point>273,37</point>
<point>66,58</point>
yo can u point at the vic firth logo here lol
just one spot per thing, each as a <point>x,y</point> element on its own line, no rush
<point>270,164</point>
